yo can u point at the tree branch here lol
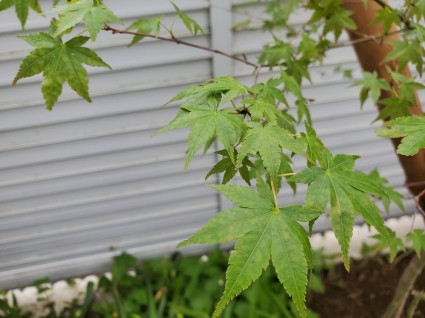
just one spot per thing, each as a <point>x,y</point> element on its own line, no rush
<point>367,38</point>
<point>243,59</point>
<point>182,42</point>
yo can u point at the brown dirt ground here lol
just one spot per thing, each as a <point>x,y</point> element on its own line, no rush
<point>365,292</point>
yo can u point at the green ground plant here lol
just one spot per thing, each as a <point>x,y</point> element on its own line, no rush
<point>178,286</point>
<point>257,129</point>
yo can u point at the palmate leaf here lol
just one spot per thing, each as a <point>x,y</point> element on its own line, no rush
<point>346,191</point>
<point>268,141</point>
<point>339,20</point>
<point>21,8</point>
<point>285,172</point>
<point>225,87</point>
<point>93,13</point>
<point>263,233</point>
<point>372,86</point>
<point>206,121</point>
<point>229,168</point>
<point>270,92</point>
<point>417,237</point>
<point>390,194</point>
<point>411,129</point>
<point>275,54</point>
<point>314,146</point>
<point>59,62</point>
<point>387,17</point>
<point>406,86</point>
<point>405,52</point>
<point>394,107</point>
<point>145,26</point>
<point>190,24</point>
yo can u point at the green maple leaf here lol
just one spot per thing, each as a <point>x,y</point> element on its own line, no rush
<point>225,87</point>
<point>388,17</point>
<point>93,13</point>
<point>372,86</point>
<point>260,108</point>
<point>263,232</point>
<point>21,8</point>
<point>190,24</point>
<point>270,92</point>
<point>314,146</point>
<point>406,86</point>
<point>227,165</point>
<point>268,141</point>
<point>346,191</point>
<point>411,129</point>
<point>420,5</point>
<point>145,26</point>
<point>417,237</point>
<point>390,194</point>
<point>393,107</point>
<point>285,171</point>
<point>59,62</point>
<point>206,121</point>
<point>276,54</point>
<point>405,52</point>
<point>337,21</point>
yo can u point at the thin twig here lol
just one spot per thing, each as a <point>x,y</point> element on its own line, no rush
<point>182,42</point>
<point>417,199</point>
<point>257,74</point>
<point>241,59</point>
<point>366,39</point>
<point>414,184</point>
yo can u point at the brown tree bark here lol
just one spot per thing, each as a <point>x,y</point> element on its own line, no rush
<point>371,55</point>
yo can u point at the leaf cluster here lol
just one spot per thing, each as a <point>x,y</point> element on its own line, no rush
<point>412,131</point>
<point>21,8</point>
<point>59,62</point>
<point>263,232</point>
<point>258,134</point>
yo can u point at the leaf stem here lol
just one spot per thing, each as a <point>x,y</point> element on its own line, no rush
<point>287,174</point>
<point>276,204</point>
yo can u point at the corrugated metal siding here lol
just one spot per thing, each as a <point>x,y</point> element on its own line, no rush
<point>84,180</point>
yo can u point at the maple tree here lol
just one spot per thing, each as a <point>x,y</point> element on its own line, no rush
<point>257,130</point>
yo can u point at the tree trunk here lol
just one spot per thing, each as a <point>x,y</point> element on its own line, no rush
<point>370,55</point>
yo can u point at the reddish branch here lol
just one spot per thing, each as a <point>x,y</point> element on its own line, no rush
<point>366,38</point>
<point>176,40</point>
<point>243,59</point>
<point>371,56</point>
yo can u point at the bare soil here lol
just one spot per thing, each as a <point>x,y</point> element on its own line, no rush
<point>365,292</point>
